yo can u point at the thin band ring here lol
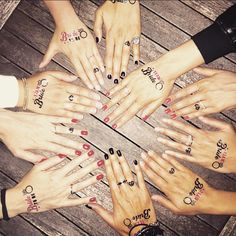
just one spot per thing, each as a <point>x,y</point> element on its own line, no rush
<point>136,40</point>
<point>71,189</point>
<point>172,170</point>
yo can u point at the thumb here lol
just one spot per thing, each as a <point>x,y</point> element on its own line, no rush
<point>63,76</point>
<point>98,25</point>
<point>206,71</point>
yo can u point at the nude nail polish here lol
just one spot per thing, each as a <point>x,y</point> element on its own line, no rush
<point>145,118</point>
<point>99,177</point>
<point>107,94</point>
<point>78,153</point>
<point>93,199</point>
<point>104,107</point>
<point>119,153</point>
<point>86,146</point>
<point>75,120</point>
<point>106,157</point>
<point>111,150</point>
<point>114,126</point>
<point>90,153</point>
<point>62,155</point>
<point>100,163</point>
<point>106,120</point>
<point>84,132</point>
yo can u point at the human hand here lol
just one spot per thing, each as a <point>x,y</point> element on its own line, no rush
<point>48,94</point>
<point>139,89</point>
<point>213,94</point>
<point>74,39</point>
<point>214,150</point>
<point>187,193</point>
<point>132,204</point>
<point>24,133</point>
<point>123,30</point>
<point>45,187</point>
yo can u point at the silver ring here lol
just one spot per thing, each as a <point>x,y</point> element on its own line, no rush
<point>136,40</point>
<point>189,141</point>
<point>199,106</point>
<point>71,98</point>
<point>127,43</point>
<point>172,171</point>
<point>131,183</point>
<point>188,150</point>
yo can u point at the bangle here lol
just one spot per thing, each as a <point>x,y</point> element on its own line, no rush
<point>25,104</point>
<point>148,230</point>
<point>4,207</point>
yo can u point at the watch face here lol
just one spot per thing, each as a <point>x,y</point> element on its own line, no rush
<point>132,1</point>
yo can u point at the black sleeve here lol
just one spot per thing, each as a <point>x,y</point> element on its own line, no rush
<point>219,38</point>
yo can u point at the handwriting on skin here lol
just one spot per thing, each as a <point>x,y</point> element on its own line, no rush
<point>138,219</point>
<point>31,200</point>
<point>221,154</point>
<point>73,36</point>
<point>195,193</point>
<point>39,92</point>
<point>154,77</point>
<point>124,1</point>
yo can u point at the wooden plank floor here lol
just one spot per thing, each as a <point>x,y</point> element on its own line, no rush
<point>165,24</point>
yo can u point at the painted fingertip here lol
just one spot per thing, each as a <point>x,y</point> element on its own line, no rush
<point>86,146</point>
<point>136,63</point>
<point>116,81</point>
<point>84,132</point>
<point>107,94</point>
<point>106,156</point>
<point>78,153</point>
<point>168,110</point>
<point>111,150</point>
<point>90,153</point>
<point>123,74</point>
<point>109,76</point>
<point>119,153</point>
<point>168,100</point>
<point>104,108</point>
<point>145,117</point>
<point>60,155</point>
<point>99,177</point>
<point>135,162</point>
<point>100,163</point>
<point>173,116</point>
<point>186,118</point>
<point>42,160</point>
<point>93,199</point>
<point>74,120</point>
<point>97,40</point>
<point>106,120</point>
<point>114,126</point>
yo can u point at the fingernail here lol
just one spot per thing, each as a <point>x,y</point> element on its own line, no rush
<point>119,153</point>
<point>86,146</point>
<point>186,117</point>
<point>93,111</point>
<point>168,110</point>
<point>99,177</point>
<point>74,120</point>
<point>62,155</point>
<point>111,150</point>
<point>84,132</point>
<point>173,116</point>
<point>135,162</point>
<point>78,153</point>
<point>116,81</point>
<point>145,118</point>
<point>107,94</point>
<point>168,100</point>
<point>114,126</point>
<point>100,163</point>
<point>106,157</point>
<point>90,153</point>
<point>93,199</point>
<point>99,105</point>
<point>97,40</point>
<point>89,207</point>
<point>109,76</point>
<point>122,74</point>
<point>104,107</point>
<point>136,62</point>
<point>106,120</point>
<point>43,159</point>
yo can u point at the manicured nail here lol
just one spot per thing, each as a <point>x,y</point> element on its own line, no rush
<point>99,177</point>
<point>106,157</point>
<point>43,159</point>
<point>74,120</point>
<point>109,76</point>
<point>145,117</point>
<point>114,126</point>
<point>86,146</point>
<point>93,111</point>
<point>186,117</point>
<point>173,116</point>
<point>135,162</point>
<point>84,132</point>
<point>116,81</point>
<point>93,199</point>
<point>89,207</point>
<point>97,40</point>
<point>107,94</point>
<point>90,153</point>
<point>168,110</point>
<point>62,155</point>
<point>100,163</point>
<point>106,120</point>
<point>104,107</point>
<point>119,153</point>
<point>111,150</point>
<point>168,100</point>
<point>136,62</point>
<point>122,74</point>
<point>78,153</point>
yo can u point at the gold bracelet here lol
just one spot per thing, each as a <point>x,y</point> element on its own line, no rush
<point>25,103</point>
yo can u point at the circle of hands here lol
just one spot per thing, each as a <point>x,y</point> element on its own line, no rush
<point>62,103</point>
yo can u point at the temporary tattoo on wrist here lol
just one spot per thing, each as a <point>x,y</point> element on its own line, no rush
<point>221,154</point>
<point>130,222</point>
<point>31,200</point>
<point>124,1</point>
<point>39,92</point>
<point>75,35</point>
<point>195,193</point>
<point>154,77</point>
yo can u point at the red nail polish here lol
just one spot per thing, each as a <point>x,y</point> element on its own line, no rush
<point>114,126</point>
<point>100,163</point>
<point>107,94</point>
<point>168,100</point>
<point>90,153</point>
<point>186,117</point>
<point>106,120</point>
<point>168,110</point>
<point>145,117</point>
<point>74,120</point>
<point>86,146</point>
<point>104,107</point>
<point>93,199</point>
<point>78,153</point>
<point>174,116</point>
<point>62,155</point>
<point>84,132</point>
<point>43,159</point>
<point>99,177</point>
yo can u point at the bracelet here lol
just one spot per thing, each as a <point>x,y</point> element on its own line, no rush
<point>25,104</point>
<point>148,230</point>
<point>4,207</point>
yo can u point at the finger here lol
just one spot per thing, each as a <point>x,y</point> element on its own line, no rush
<point>58,148</point>
<point>99,61</point>
<point>78,201</point>
<point>79,108</point>
<point>75,117</point>
<point>96,71</point>
<point>208,72</point>
<point>136,53</point>
<point>109,55</point>
<point>117,60</point>
<point>150,109</point>
<point>118,87</point>
<point>58,120</point>
<point>215,123</point>
<point>29,156</point>
<point>172,144</point>
<point>125,58</point>
<point>139,174</point>
<point>202,112</point>
<point>63,76</point>
<point>98,25</point>
<point>180,156</point>
<point>165,202</point>
<point>51,162</point>
<point>63,129</point>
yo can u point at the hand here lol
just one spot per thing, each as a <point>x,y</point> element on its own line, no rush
<point>24,133</point>
<point>74,39</point>
<point>141,88</point>
<point>132,204</point>
<point>214,150</point>
<point>213,94</point>
<point>48,94</point>
<point>187,193</point>
<point>123,30</point>
<point>45,187</point>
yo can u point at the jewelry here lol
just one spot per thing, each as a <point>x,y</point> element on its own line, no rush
<point>122,182</point>
<point>25,103</point>
<point>199,106</point>
<point>188,150</point>
<point>71,130</point>
<point>95,70</point>
<point>71,189</point>
<point>189,140</point>
<point>131,183</point>
<point>71,98</point>
<point>136,40</point>
<point>172,171</point>
<point>127,43</point>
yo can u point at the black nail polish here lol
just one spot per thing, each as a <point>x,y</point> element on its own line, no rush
<point>116,81</point>
<point>89,207</point>
<point>97,40</point>
<point>106,157</point>
<point>135,162</point>
<point>109,76</point>
<point>119,153</point>
<point>111,150</point>
<point>136,62</point>
<point>122,74</point>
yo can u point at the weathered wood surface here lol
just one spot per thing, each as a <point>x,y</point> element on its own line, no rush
<point>230,227</point>
<point>23,41</point>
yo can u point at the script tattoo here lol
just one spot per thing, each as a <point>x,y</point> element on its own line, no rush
<point>195,193</point>
<point>31,200</point>
<point>39,92</point>
<point>221,154</point>
<point>73,36</point>
<point>124,1</point>
<point>154,77</point>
